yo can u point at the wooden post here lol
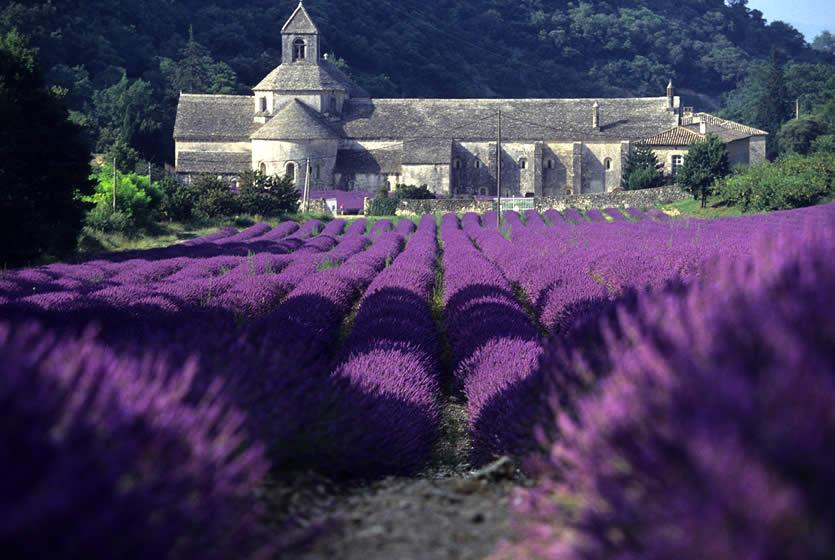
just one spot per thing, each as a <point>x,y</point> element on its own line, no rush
<point>499,171</point>
<point>114,184</point>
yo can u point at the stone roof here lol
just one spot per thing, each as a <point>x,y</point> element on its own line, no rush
<point>296,121</point>
<point>300,22</point>
<point>375,162</point>
<point>215,117</point>
<point>232,163</point>
<point>676,136</point>
<point>523,119</point>
<point>427,151</point>
<point>323,76</point>
<point>727,130</point>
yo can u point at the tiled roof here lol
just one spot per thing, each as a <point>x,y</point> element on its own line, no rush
<point>523,119</point>
<point>296,121</point>
<point>727,130</point>
<point>676,136</point>
<point>214,162</point>
<point>300,22</point>
<point>215,117</point>
<point>374,162</point>
<point>427,151</point>
<point>299,76</point>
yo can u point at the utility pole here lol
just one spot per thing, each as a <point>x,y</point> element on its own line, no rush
<point>114,183</point>
<point>149,173</point>
<point>797,108</point>
<point>499,171</point>
<point>306,186</point>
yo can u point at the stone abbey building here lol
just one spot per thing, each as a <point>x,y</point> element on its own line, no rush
<point>307,112</point>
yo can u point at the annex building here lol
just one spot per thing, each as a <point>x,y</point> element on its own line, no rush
<point>307,112</point>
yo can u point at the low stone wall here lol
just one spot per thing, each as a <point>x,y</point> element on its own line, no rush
<point>646,198</point>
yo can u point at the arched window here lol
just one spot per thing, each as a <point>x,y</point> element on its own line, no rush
<point>290,171</point>
<point>456,163</point>
<point>523,163</point>
<point>482,191</point>
<point>263,103</point>
<point>332,104</point>
<point>477,163</point>
<point>298,50</point>
<point>607,164</point>
<point>549,163</point>
<point>263,168</point>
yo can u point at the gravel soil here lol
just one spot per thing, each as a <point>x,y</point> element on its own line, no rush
<point>448,511</point>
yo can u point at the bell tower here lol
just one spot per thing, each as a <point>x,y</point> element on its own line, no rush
<point>300,39</point>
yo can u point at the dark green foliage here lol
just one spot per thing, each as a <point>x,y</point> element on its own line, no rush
<point>411,192</point>
<point>774,108</point>
<point>178,199</point>
<point>43,162</point>
<point>435,48</point>
<point>825,42</point>
<point>824,144</point>
<point>705,163</point>
<point>790,182</point>
<point>797,135</point>
<point>215,198</point>
<point>642,170</point>
<point>383,205</point>
<point>267,195</point>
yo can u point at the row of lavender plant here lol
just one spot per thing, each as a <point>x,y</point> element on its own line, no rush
<point>495,347</point>
<point>710,436</point>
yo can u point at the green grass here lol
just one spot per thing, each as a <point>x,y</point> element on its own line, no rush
<point>693,209</point>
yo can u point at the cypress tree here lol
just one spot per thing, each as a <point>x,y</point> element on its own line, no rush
<point>774,107</point>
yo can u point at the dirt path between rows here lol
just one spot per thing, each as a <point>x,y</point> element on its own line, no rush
<point>446,512</point>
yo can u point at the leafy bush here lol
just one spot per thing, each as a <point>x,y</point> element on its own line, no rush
<point>642,170</point>
<point>215,198</point>
<point>383,205</point>
<point>267,195</point>
<point>798,135</point>
<point>824,144</point>
<point>411,192</point>
<point>137,201</point>
<point>792,181</point>
<point>178,199</point>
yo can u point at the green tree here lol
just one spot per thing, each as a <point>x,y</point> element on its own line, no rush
<point>824,144</point>
<point>267,195</point>
<point>825,42</point>
<point>43,162</point>
<point>197,72</point>
<point>705,163</point>
<point>642,170</point>
<point>797,136</point>
<point>412,192</point>
<point>773,108</point>
<point>215,198</point>
<point>126,113</point>
<point>137,201</point>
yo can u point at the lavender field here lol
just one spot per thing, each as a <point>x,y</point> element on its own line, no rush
<point>664,387</point>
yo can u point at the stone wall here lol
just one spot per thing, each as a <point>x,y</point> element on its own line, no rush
<point>647,198</point>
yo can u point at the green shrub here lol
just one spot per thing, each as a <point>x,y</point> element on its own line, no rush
<point>642,170</point>
<point>706,163</point>
<point>215,198</point>
<point>798,135</point>
<point>793,181</point>
<point>824,144</point>
<point>137,201</point>
<point>383,205</point>
<point>265,195</point>
<point>178,199</point>
<point>643,178</point>
<point>411,192</point>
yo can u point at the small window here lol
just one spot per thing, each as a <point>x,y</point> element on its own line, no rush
<point>318,171</point>
<point>477,163</point>
<point>507,193</point>
<point>299,50</point>
<point>263,103</point>
<point>523,163</point>
<point>607,163</point>
<point>456,163</point>
<point>549,163</point>
<point>332,104</point>
<point>482,191</point>
<point>290,171</point>
<point>263,168</point>
<point>677,162</point>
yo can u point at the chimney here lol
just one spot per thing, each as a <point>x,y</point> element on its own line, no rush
<point>595,116</point>
<point>670,96</point>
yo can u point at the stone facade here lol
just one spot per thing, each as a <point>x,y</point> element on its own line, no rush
<point>307,112</point>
